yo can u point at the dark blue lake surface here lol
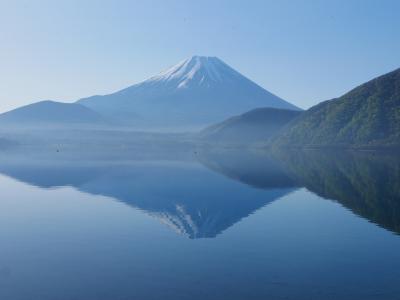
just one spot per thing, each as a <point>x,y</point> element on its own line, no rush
<point>208,225</point>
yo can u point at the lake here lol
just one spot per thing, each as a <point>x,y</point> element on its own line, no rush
<point>200,224</point>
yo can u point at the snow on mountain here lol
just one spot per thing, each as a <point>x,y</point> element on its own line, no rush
<point>196,92</point>
<point>198,70</point>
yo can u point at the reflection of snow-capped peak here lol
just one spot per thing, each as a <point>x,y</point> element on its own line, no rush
<point>181,222</point>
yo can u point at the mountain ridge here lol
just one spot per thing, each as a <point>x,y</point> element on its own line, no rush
<point>368,116</point>
<point>254,126</point>
<point>51,112</point>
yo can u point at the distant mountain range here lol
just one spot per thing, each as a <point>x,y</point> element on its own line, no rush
<point>202,91</point>
<point>196,92</point>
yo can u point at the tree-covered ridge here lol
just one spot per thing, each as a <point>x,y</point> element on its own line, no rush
<point>367,116</point>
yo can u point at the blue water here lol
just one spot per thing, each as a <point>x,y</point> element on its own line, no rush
<point>198,229</point>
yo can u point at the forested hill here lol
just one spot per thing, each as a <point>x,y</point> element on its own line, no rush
<point>367,116</point>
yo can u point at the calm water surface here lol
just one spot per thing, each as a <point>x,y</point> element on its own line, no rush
<point>215,225</point>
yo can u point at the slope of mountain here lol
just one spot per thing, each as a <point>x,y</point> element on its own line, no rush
<point>195,92</point>
<point>51,113</point>
<point>256,125</point>
<point>367,116</point>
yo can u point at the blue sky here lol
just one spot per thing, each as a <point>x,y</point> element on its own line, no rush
<point>303,51</point>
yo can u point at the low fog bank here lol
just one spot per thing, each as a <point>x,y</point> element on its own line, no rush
<point>251,129</point>
<point>93,144</point>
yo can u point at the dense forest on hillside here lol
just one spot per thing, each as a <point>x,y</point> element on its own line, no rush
<point>367,116</point>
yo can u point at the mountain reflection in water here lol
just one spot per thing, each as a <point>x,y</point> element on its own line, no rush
<point>202,196</point>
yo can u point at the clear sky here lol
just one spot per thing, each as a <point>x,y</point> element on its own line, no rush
<point>303,51</point>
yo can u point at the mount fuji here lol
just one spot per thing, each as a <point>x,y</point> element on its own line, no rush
<point>196,92</point>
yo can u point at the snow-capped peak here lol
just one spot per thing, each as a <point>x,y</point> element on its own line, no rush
<point>198,70</point>
<point>195,92</point>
